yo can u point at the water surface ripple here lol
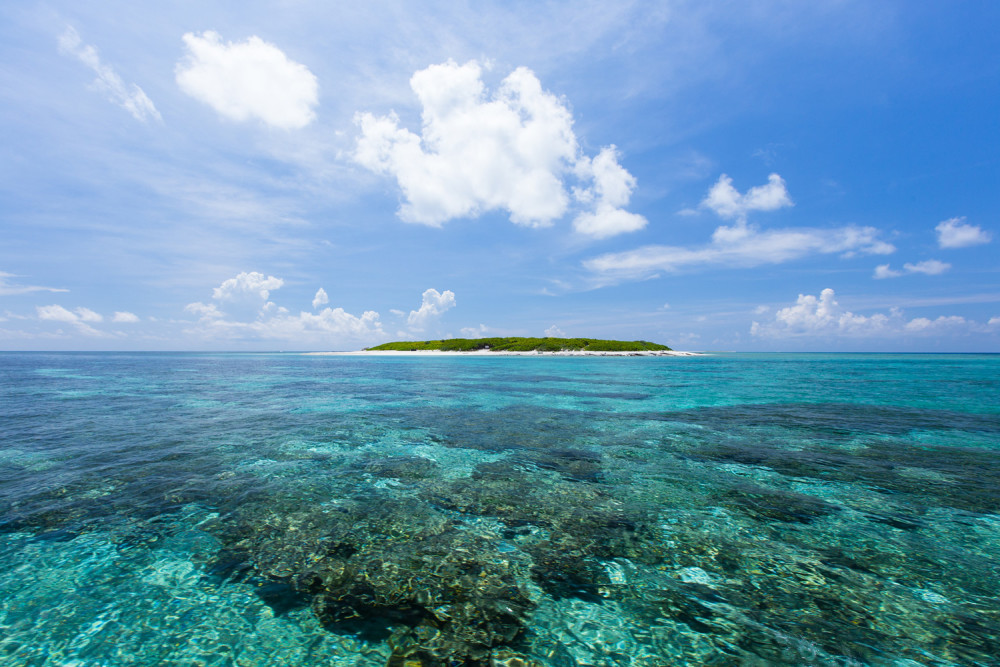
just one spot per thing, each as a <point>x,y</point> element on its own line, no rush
<point>246,509</point>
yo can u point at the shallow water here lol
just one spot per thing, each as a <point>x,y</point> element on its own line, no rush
<point>285,509</point>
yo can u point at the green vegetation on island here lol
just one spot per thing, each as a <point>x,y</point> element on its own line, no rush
<point>520,344</point>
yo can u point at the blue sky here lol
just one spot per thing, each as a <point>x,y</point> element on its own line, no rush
<point>301,175</point>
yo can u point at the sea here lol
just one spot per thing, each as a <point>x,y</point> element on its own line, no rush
<point>286,509</point>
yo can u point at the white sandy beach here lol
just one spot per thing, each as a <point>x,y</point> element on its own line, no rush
<point>489,353</point>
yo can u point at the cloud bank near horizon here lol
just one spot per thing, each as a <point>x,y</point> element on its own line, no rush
<point>823,317</point>
<point>241,307</point>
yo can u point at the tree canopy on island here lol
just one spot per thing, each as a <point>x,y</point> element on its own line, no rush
<point>520,344</point>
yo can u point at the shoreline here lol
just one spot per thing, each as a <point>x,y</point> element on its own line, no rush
<point>488,353</point>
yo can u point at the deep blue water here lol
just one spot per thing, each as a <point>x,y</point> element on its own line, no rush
<point>238,509</point>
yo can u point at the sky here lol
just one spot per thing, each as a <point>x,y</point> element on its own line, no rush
<point>307,175</point>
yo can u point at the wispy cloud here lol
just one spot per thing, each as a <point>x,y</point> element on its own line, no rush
<point>930,267</point>
<point>129,97</point>
<point>125,317</point>
<point>8,289</point>
<point>739,246</point>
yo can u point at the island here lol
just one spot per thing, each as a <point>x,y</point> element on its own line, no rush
<point>522,345</point>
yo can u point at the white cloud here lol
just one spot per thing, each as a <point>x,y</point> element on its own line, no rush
<point>994,322</point>
<point>131,98</point>
<point>56,313</point>
<point>943,323</point>
<point>329,321</point>
<point>476,155</point>
<point>205,310</point>
<point>727,202</point>
<point>245,296</point>
<point>611,191</point>
<point>125,317</point>
<point>253,316</point>
<point>7,289</point>
<point>320,299</point>
<point>930,267</point>
<point>245,80</point>
<point>510,151</point>
<point>271,308</point>
<point>330,326</point>
<point>247,285</point>
<point>740,246</point>
<point>823,316</point>
<point>432,305</point>
<point>78,317</point>
<point>605,221</point>
<point>954,233</point>
<point>262,319</point>
<point>475,332</point>
<point>555,332</point>
<point>882,271</point>
<point>815,316</point>
<point>87,315</point>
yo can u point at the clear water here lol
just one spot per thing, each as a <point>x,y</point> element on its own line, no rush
<point>184,509</point>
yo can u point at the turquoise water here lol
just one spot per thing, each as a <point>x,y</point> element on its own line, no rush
<point>199,509</point>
